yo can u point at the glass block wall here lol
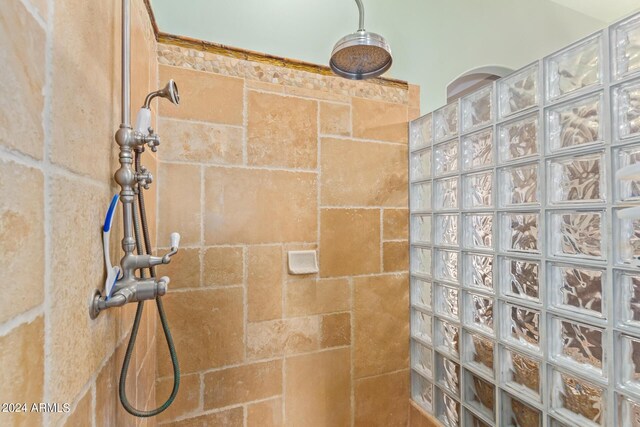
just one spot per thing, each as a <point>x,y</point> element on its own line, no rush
<point>525,285</point>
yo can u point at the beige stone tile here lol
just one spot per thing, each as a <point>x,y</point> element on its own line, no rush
<point>188,398</point>
<point>123,418</point>
<point>281,131</point>
<point>107,394</point>
<point>413,113</point>
<point>264,283</point>
<point>151,201</point>
<point>259,206</point>
<point>84,112</point>
<point>318,389</point>
<point>22,55</point>
<point>140,352</point>
<point>335,119</point>
<point>22,370</point>
<point>200,142</point>
<point>76,247</point>
<point>82,413</point>
<point>124,319</point>
<point>316,94</point>
<point>21,238</point>
<point>267,413</point>
<point>349,241</point>
<point>207,327</point>
<point>313,296</point>
<point>264,86</point>
<point>145,375</point>
<point>395,256</point>
<point>204,96</point>
<point>223,266</point>
<point>278,337</point>
<point>356,173</point>
<point>382,401</point>
<point>151,311</point>
<point>381,347</point>
<point>229,418</point>
<point>140,64</point>
<point>379,120</point>
<point>184,268</point>
<point>395,224</point>
<point>336,330</point>
<point>414,96</point>
<point>242,384</point>
<point>419,418</point>
<point>179,202</point>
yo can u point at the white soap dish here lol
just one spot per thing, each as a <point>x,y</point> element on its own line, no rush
<point>302,262</point>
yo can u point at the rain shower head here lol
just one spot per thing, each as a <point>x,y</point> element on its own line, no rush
<point>361,55</point>
<point>169,91</point>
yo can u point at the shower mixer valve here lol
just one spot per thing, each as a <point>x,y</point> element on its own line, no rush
<point>127,283</point>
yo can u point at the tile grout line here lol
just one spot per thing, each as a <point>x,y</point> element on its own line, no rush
<point>245,301</point>
<point>283,296</point>
<point>381,234</point>
<point>201,385</point>
<point>352,348</point>
<point>201,251</point>
<point>35,14</point>
<point>245,123</point>
<point>239,405</point>
<point>94,404</point>
<point>48,275</point>
<point>241,166</point>
<point>24,318</point>
<point>201,122</point>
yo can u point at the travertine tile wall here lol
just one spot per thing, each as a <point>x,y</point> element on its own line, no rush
<point>259,160</point>
<point>60,109</point>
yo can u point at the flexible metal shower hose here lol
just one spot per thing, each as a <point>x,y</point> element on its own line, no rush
<point>136,322</point>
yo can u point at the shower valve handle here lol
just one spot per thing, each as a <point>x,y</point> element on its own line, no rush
<point>152,140</point>
<point>144,177</point>
<point>175,244</point>
<point>175,240</point>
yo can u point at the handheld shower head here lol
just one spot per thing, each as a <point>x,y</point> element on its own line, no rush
<point>169,91</point>
<point>361,55</point>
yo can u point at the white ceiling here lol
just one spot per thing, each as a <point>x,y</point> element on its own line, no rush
<point>603,10</point>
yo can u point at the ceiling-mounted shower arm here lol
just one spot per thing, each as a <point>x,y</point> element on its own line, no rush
<point>361,15</point>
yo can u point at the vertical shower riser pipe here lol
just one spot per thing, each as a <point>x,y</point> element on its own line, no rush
<point>125,52</point>
<point>125,176</point>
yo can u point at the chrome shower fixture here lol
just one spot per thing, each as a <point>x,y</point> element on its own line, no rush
<point>143,119</point>
<point>361,55</point>
<point>122,285</point>
<point>128,281</point>
<point>169,91</point>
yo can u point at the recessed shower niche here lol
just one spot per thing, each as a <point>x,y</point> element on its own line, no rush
<point>528,314</point>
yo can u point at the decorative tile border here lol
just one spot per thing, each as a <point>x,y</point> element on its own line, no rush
<point>277,72</point>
